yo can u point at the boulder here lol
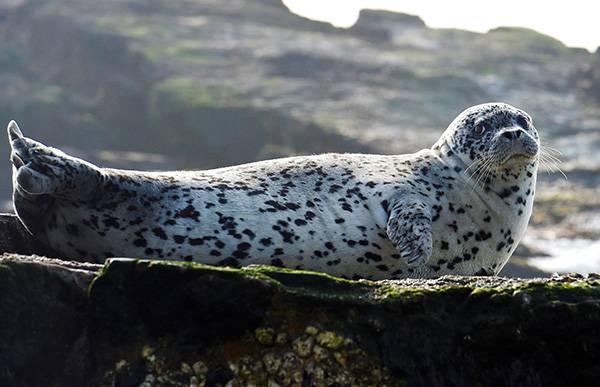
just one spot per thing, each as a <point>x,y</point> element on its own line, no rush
<point>139,322</point>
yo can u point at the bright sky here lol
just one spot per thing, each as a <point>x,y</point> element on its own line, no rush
<point>575,22</point>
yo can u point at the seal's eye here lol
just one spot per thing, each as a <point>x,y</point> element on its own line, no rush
<point>479,129</point>
<point>522,122</point>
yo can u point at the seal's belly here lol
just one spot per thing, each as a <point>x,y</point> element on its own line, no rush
<point>472,240</point>
<point>465,247</point>
<point>303,229</point>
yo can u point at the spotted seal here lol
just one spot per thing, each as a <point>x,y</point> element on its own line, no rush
<point>460,207</point>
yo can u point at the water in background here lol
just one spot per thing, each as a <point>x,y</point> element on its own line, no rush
<point>567,255</point>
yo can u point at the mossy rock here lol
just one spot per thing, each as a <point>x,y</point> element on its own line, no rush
<point>186,93</point>
<point>163,323</point>
<point>525,38</point>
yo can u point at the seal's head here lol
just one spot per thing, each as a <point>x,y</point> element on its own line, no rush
<point>496,135</point>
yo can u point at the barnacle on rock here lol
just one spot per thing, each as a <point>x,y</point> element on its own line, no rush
<point>264,336</point>
<point>329,339</point>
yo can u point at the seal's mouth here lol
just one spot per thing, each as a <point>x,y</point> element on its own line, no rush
<point>518,151</point>
<point>519,157</point>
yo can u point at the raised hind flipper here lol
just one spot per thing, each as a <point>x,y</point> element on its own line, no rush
<point>42,170</point>
<point>42,175</point>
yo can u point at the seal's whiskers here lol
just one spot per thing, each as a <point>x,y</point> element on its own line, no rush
<point>548,157</point>
<point>482,170</point>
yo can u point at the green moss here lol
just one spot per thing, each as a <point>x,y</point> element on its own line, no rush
<point>323,287</point>
<point>187,51</point>
<point>565,291</point>
<point>535,291</point>
<point>179,97</point>
<point>389,290</point>
<point>187,92</point>
<point>525,38</point>
<point>272,270</point>
<point>252,271</point>
<point>132,26</point>
<point>527,34</point>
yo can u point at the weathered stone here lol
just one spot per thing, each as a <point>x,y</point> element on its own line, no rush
<point>44,321</point>
<point>133,322</point>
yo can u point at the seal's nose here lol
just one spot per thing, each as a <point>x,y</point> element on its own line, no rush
<point>518,142</point>
<point>512,134</point>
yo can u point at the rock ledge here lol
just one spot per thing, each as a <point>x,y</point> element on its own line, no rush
<point>160,323</point>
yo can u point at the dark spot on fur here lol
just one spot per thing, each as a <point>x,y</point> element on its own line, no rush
<point>159,232</point>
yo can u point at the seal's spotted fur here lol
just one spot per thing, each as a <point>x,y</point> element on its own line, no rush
<point>353,215</point>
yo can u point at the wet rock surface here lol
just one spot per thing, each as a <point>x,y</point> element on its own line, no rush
<point>137,322</point>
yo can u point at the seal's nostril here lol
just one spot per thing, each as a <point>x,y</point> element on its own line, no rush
<point>512,134</point>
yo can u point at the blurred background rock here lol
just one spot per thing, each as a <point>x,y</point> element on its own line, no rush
<point>181,84</point>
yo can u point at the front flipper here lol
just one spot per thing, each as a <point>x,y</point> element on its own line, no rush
<point>409,229</point>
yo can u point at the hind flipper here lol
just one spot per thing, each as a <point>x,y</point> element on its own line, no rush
<point>42,170</point>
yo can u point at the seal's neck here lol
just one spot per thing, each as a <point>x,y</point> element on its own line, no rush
<point>450,158</point>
